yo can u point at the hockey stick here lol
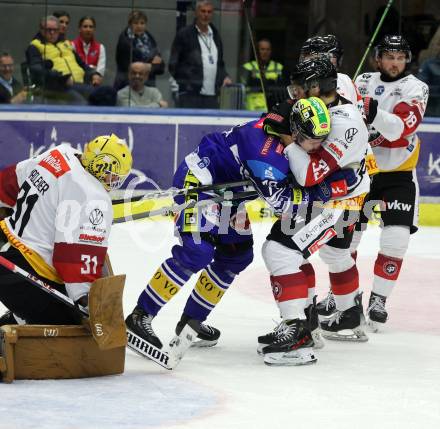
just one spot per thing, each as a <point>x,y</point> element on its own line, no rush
<point>246,6</point>
<point>173,192</point>
<point>176,208</point>
<point>136,343</point>
<point>373,38</point>
<point>40,284</point>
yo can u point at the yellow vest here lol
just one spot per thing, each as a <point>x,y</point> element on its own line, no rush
<point>256,100</point>
<point>63,58</point>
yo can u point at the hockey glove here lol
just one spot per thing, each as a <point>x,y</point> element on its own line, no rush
<point>370,109</point>
<point>335,186</point>
<point>277,120</point>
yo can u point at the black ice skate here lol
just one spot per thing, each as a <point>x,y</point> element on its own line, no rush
<point>207,335</point>
<point>293,347</point>
<point>346,325</point>
<point>327,306</point>
<point>376,313</point>
<point>313,320</point>
<point>265,340</point>
<point>8,319</point>
<point>139,322</point>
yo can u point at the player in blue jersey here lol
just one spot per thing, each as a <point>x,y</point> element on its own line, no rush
<point>217,238</point>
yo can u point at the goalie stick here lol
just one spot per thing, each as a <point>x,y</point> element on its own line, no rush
<point>43,286</point>
<point>173,192</point>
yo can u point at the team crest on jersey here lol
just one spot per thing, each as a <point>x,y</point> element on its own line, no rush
<point>55,163</point>
<point>204,162</point>
<point>379,90</point>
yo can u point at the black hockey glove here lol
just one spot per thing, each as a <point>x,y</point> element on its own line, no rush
<point>370,109</point>
<point>277,121</point>
<point>335,185</point>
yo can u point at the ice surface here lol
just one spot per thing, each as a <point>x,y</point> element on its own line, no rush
<point>392,381</point>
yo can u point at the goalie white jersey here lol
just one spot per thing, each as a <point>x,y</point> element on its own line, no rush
<point>401,106</point>
<point>62,217</point>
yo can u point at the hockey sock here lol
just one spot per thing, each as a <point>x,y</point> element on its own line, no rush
<point>164,285</point>
<point>309,272</point>
<point>345,287</point>
<point>386,272</point>
<point>211,285</point>
<point>291,292</point>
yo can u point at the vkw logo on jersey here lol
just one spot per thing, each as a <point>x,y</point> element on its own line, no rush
<point>379,90</point>
<point>96,217</point>
<point>350,133</point>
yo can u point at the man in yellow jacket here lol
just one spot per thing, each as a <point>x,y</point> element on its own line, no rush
<point>272,74</point>
<point>55,66</point>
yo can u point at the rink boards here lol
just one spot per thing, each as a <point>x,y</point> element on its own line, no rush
<point>159,140</point>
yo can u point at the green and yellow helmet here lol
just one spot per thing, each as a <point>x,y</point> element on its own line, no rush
<point>108,159</point>
<point>310,118</point>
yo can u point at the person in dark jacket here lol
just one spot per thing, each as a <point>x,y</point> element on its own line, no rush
<point>136,44</point>
<point>11,90</point>
<point>196,61</point>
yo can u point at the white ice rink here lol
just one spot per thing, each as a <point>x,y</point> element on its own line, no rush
<point>392,381</point>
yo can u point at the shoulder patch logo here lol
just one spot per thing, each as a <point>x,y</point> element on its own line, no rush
<point>350,133</point>
<point>55,163</point>
<point>379,90</point>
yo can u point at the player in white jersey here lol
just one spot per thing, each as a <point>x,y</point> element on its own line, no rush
<point>59,227</point>
<point>394,103</point>
<point>328,229</point>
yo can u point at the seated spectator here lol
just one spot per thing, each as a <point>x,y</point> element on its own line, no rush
<point>272,74</point>
<point>11,90</point>
<point>137,44</point>
<point>429,73</point>
<point>196,61</point>
<point>55,66</point>
<point>136,94</point>
<point>63,21</point>
<point>91,51</point>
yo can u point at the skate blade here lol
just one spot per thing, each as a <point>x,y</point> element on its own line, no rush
<point>204,343</point>
<point>318,339</point>
<point>374,326</point>
<point>305,356</point>
<point>180,344</point>
<point>260,348</point>
<point>354,335</point>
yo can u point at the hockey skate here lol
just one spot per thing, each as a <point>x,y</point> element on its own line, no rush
<point>376,313</point>
<point>139,322</point>
<point>346,325</point>
<point>293,347</point>
<point>313,320</point>
<point>327,306</point>
<point>265,340</point>
<point>8,319</point>
<point>207,336</point>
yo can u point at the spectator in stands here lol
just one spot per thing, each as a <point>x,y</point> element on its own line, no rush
<point>90,51</point>
<point>136,94</point>
<point>429,73</point>
<point>63,21</point>
<point>55,66</point>
<point>11,90</point>
<point>272,75</point>
<point>103,95</point>
<point>196,61</point>
<point>135,44</point>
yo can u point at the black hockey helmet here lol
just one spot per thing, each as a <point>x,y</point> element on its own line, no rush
<point>328,44</point>
<point>393,43</point>
<point>315,72</point>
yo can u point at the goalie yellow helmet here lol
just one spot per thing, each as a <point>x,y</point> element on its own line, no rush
<point>108,159</point>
